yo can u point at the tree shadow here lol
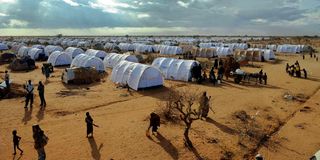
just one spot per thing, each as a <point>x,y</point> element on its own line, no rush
<point>95,151</point>
<point>27,115</point>
<point>14,157</point>
<point>40,114</point>
<point>167,146</point>
<point>195,152</point>
<point>222,127</point>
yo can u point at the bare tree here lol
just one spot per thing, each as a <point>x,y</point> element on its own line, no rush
<point>183,104</point>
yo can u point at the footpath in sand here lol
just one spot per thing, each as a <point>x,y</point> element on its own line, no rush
<point>299,137</point>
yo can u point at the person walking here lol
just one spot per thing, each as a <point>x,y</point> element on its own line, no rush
<point>154,123</point>
<point>41,94</point>
<point>29,97</point>
<point>16,141</point>
<point>90,124</point>
<point>40,141</point>
<point>47,72</point>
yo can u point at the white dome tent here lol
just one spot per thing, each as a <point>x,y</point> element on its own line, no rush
<point>3,47</point>
<point>58,58</point>
<point>96,53</point>
<point>286,48</point>
<point>73,52</point>
<point>136,75</point>
<point>126,47</point>
<point>141,48</point>
<point>38,46</point>
<point>171,50</point>
<point>16,47</point>
<point>112,59</point>
<point>50,48</point>
<point>175,69</point>
<point>223,51</point>
<point>83,60</point>
<point>35,53</point>
<point>23,51</point>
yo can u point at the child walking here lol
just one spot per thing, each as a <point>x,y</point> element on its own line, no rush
<point>16,140</point>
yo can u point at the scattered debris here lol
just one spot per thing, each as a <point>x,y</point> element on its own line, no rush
<point>305,109</point>
<point>242,115</point>
<point>227,155</point>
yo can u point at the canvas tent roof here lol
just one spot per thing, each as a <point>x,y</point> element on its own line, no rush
<point>255,54</point>
<point>126,47</point>
<point>136,75</point>
<point>204,52</point>
<point>112,59</point>
<point>50,48</point>
<point>83,60</point>
<point>23,51</point>
<point>175,69</point>
<point>170,50</point>
<point>73,52</point>
<point>142,48</point>
<point>34,53</point>
<point>3,47</point>
<point>58,58</point>
<point>96,53</point>
<point>286,48</point>
<point>223,51</point>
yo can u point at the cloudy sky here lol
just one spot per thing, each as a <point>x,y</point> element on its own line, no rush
<point>160,17</point>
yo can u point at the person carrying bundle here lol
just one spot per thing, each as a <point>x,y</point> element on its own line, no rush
<point>204,105</point>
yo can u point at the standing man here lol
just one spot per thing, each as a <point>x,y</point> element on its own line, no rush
<point>41,94</point>
<point>29,97</point>
<point>260,76</point>
<point>7,79</point>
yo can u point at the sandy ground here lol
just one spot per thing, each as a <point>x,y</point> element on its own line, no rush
<point>123,119</point>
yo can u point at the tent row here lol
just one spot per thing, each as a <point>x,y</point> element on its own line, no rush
<point>255,54</point>
<point>204,52</point>
<point>229,45</point>
<point>112,59</point>
<point>290,48</point>
<point>175,69</point>
<point>170,50</point>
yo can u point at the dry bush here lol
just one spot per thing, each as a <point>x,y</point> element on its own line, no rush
<point>149,59</point>
<point>179,105</point>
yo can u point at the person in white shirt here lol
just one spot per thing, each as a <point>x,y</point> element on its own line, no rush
<point>29,97</point>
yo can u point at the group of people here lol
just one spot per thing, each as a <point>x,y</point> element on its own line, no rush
<point>200,75</point>
<point>30,96</point>
<point>295,70</point>
<point>40,141</point>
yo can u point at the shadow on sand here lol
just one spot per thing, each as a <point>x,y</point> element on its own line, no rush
<point>40,114</point>
<point>95,151</point>
<point>222,127</point>
<point>27,115</point>
<point>167,146</point>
